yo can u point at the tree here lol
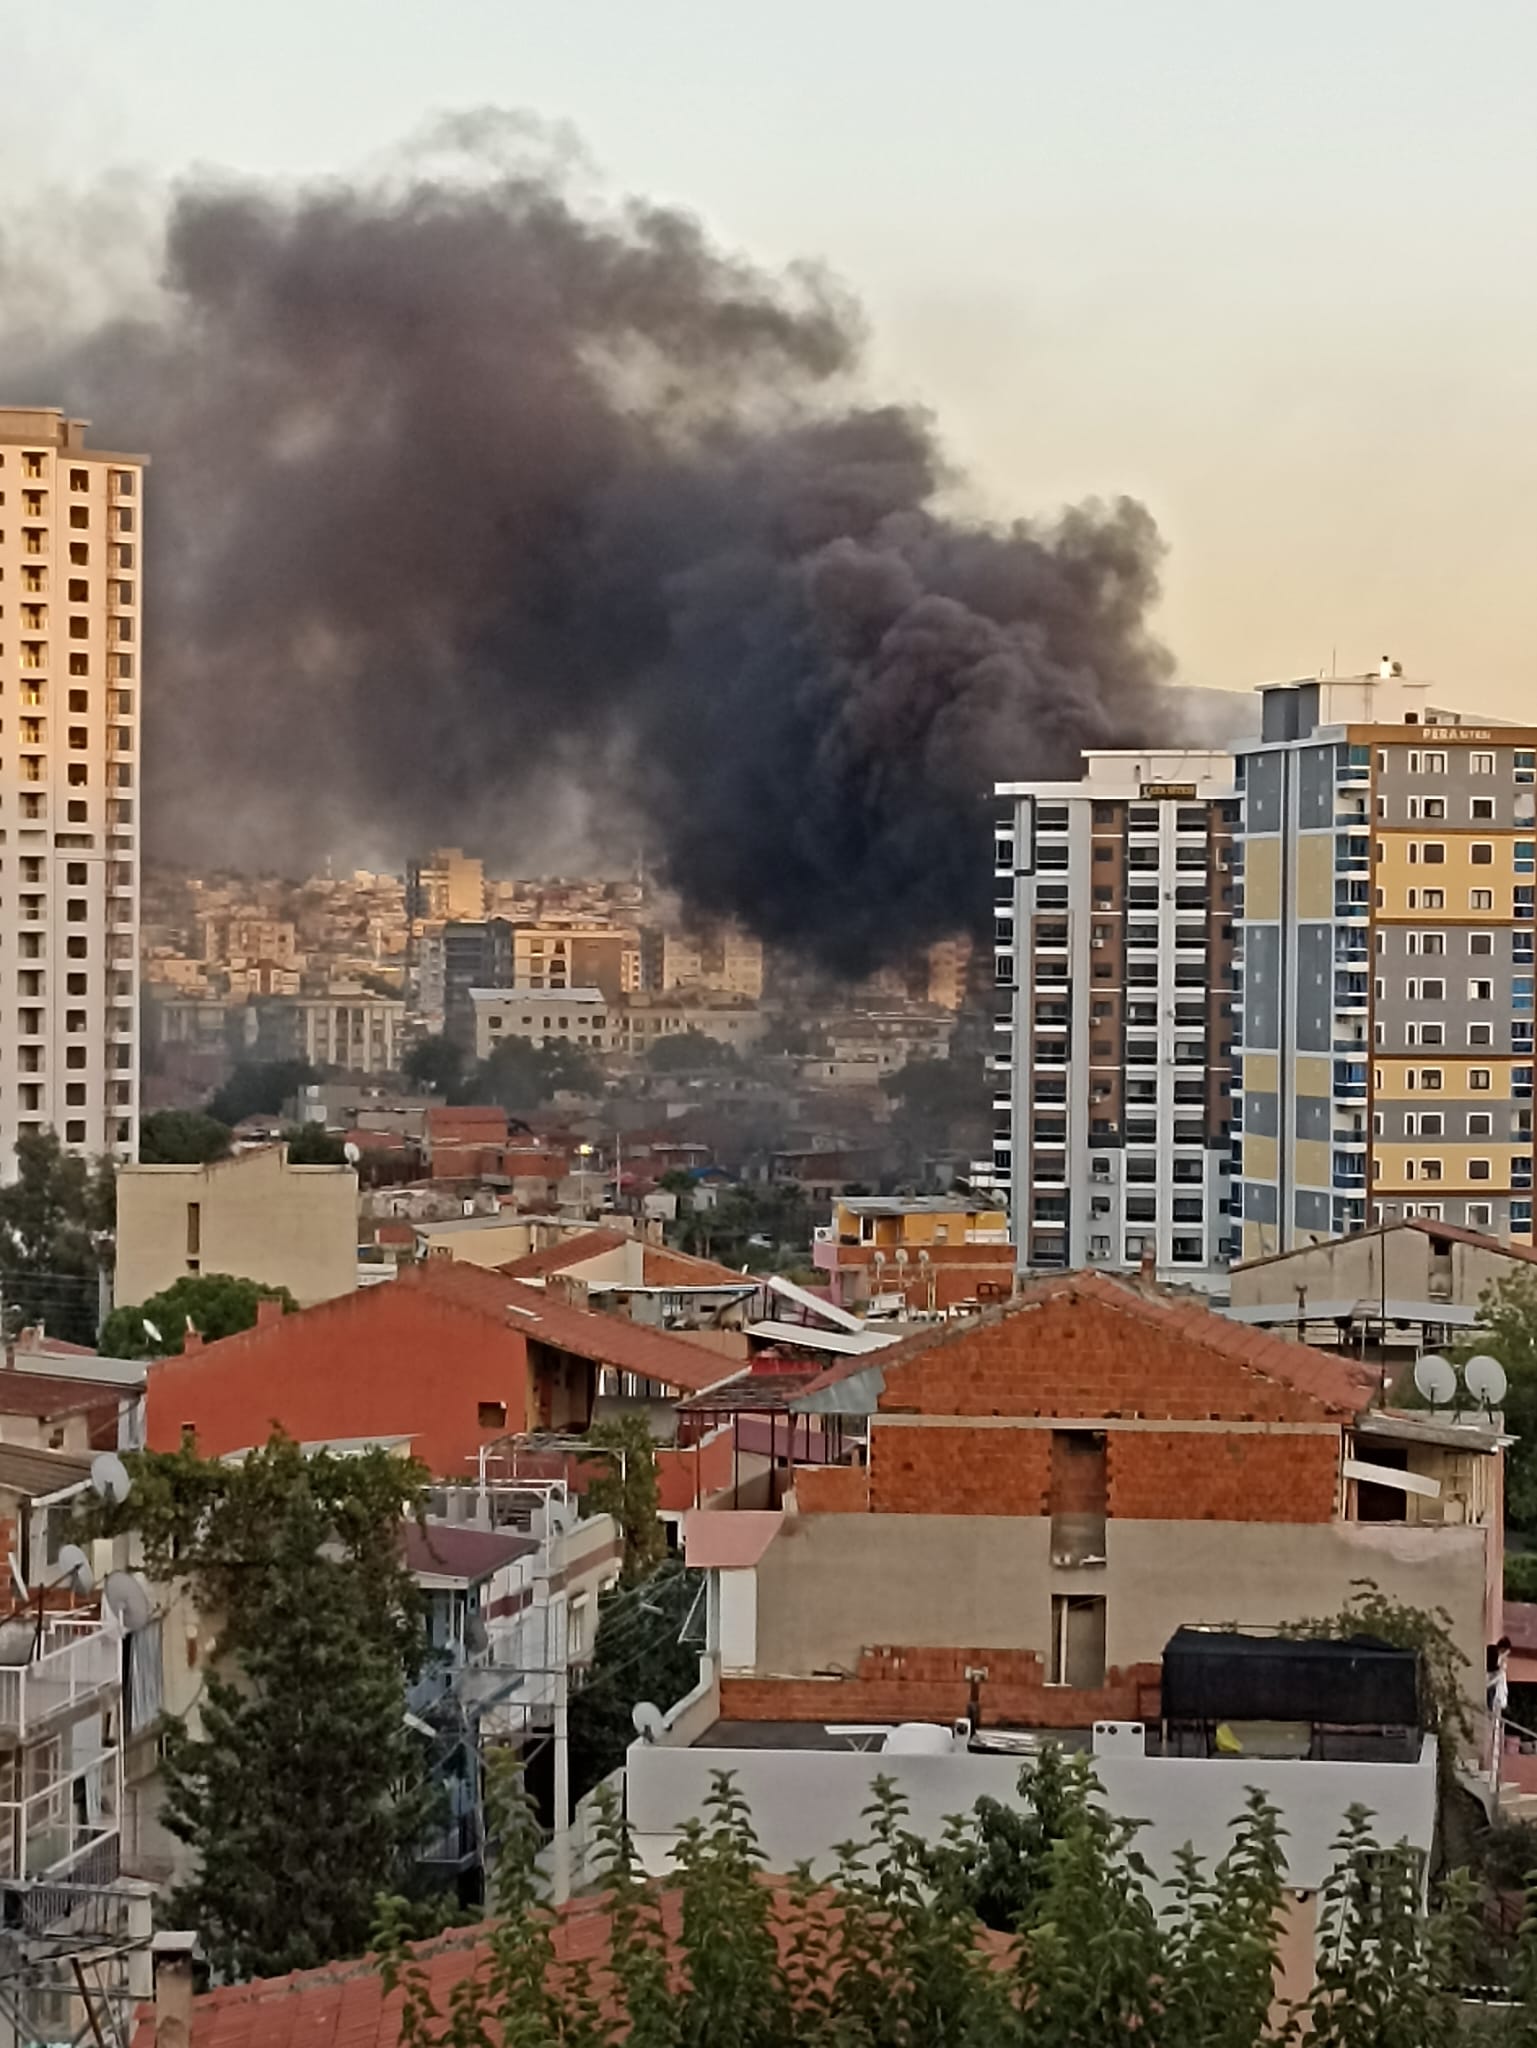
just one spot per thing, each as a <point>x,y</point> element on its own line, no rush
<point>690,1051</point>
<point>259,1088</point>
<point>314,1145</point>
<point>182,1137</point>
<point>54,1220</point>
<point>435,1064</point>
<point>216,1304</point>
<point>764,1228</point>
<point>940,1107</point>
<point>301,1789</point>
<point>626,1488</point>
<point>644,1651</point>
<point>890,1955</point>
<point>520,1076</point>
<point>1507,1327</point>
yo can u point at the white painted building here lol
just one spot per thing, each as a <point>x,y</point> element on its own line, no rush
<point>1113,1053</point>
<point>71,575</point>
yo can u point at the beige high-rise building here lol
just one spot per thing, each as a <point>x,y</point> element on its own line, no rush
<point>71,575</point>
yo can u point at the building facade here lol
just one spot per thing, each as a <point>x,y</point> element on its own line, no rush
<point>584,1016</point>
<point>71,573</point>
<point>352,1028</point>
<point>1113,1027</point>
<point>1386,940</point>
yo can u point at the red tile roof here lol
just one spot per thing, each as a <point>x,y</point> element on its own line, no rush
<point>667,1268</point>
<point>1334,1382</point>
<point>571,1251</point>
<point>543,1319</point>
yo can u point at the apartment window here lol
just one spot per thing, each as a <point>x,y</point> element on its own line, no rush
<point>1480,943</point>
<point>1429,1078</point>
<point>1481,854</point>
<point>1480,991</point>
<point>1481,810</point>
<point>1480,1124</point>
<point>1431,899</point>
<point>1077,1641</point>
<point>1427,943</point>
<point>1428,1123</point>
<point>1426,1034</point>
<point>1480,1215</point>
<point>1429,1169</point>
<point>74,1131</point>
<point>79,774</point>
<point>1431,991</point>
<point>79,554</point>
<point>1431,851</point>
<point>1480,899</point>
<point>79,517</point>
<point>1480,1035</point>
<point>74,1056</point>
<point>1377,1122</point>
<point>1435,764</point>
<point>1431,808</point>
<point>1480,764</point>
<point>79,700</point>
<point>1480,1080</point>
<point>1479,1169</point>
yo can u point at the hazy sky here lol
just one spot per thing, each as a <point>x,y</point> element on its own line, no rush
<point>1267,267</point>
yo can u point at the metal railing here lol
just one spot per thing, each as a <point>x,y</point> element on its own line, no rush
<point>76,1662</point>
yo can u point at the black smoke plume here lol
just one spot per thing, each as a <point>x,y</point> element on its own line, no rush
<point>468,489</point>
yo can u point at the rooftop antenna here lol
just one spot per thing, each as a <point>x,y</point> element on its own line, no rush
<point>1484,1378</point>
<point>1436,1380</point>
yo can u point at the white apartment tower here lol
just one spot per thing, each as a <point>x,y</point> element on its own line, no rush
<point>71,577</point>
<point>1113,903</point>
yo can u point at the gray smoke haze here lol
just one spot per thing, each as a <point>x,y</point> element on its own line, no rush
<point>468,485</point>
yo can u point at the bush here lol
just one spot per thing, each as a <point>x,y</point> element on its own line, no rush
<point>1521,1575</point>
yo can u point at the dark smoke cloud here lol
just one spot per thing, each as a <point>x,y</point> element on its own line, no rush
<point>466,487</point>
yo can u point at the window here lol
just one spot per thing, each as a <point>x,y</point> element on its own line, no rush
<point>1480,1215</point>
<point>1478,1169</point>
<point>1077,1641</point>
<point>194,1230</point>
<point>1480,943</point>
<point>1480,899</point>
<point>1480,764</point>
<point>1480,1123</point>
<point>1429,1078</point>
<point>79,516</point>
<point>1430,1169</point>
<point>1481,810</point>
<point>1429,1123</point>
<point>1480,1080</point>
<point>1426,1034</point>
<point>1432,991</point>
<point>1431,899</point>
<point>1430,807</point>
<point>1481,853</point>
<point>1427,943</point>
<point>491,1414</point>
<point>1480,1035</point>
<point>1480,991</point>
<point>1435,764</point>
<point>1432,852</point>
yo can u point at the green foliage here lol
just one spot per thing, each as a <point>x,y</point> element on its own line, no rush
<point>1445,1705</point>
<point>519,1076</point>
<point>314,1145</point>
<point>301,1790</point>
<point>639,1655</point>
<point>182,1137</point>
<point>888,1954</point>
<point>763,1227</point>
<point>690,1052</point>
<point>54,1220</point>
<point>259,1088</point>
<point>434,1064</point>
<point>1521,1575</point>
<point>1507,1327</point>
<point>217,1304</point>
<point>625,1486</point>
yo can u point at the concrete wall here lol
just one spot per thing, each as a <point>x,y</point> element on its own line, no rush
<point>257,1217</point>
<point>804,1801</point>
<point>830,1586</point>
<point>1352,1268</point>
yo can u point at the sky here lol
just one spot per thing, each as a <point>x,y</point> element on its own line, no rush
<point>1267,268</point>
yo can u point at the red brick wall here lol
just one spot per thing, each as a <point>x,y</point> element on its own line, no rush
<point>930,1685</point>
<point>832,1489</point>
<point>689,1477</point>
<point>1078,1357</point>
<point>918,1471</point>
<point>1078,1472</point>
<point>1206,1476</point>
<point>396,1360</point>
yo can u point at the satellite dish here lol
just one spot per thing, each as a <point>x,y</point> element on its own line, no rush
<point>109,1476</point>
<point>351,1153</point>
<point>151,1332</point>
<point>648,1720</point>
<point>128,1597</point>
<point>477,1636</point>
<point>74,1570</point>
<point>1484,1378</point>
<point>1435,1379</point>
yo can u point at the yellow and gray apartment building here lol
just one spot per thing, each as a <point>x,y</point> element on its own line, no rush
<point>1386,873</point>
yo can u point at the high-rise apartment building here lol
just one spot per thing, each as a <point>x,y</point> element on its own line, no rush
<point>1386,934</point>
<point>71,575</point>
<point>449,884</point>
<point>1113,1027</point>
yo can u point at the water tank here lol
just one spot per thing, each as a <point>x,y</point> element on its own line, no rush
<point>919,1738</point>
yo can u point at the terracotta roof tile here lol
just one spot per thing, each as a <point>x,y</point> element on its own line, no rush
<point>558,1258</point>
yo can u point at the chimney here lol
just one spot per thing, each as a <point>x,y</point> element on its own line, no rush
<point>171,1957</point>
<point>1147,1271</point>
<point>193,1341</point>
<point>269,1310</point>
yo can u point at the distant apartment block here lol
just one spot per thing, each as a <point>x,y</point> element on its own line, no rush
<point>719,959</point>
<point>448,883</point>
<point>1113,1055</point>
<point>582,1016</point>
<point>570,953</point>
<point>71,573</point>
<point>254,1216</point>
<point>1386,932</point>
<point>350,1028</point>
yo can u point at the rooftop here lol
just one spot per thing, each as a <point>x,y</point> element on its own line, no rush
<point>38,1473</point>
<point>916,1205</point>
<point>1456,1233</point>
<point>449,1551</point>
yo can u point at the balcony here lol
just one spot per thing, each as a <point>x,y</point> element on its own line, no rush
<point>1352,995</point>
<point>78,1664</point>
